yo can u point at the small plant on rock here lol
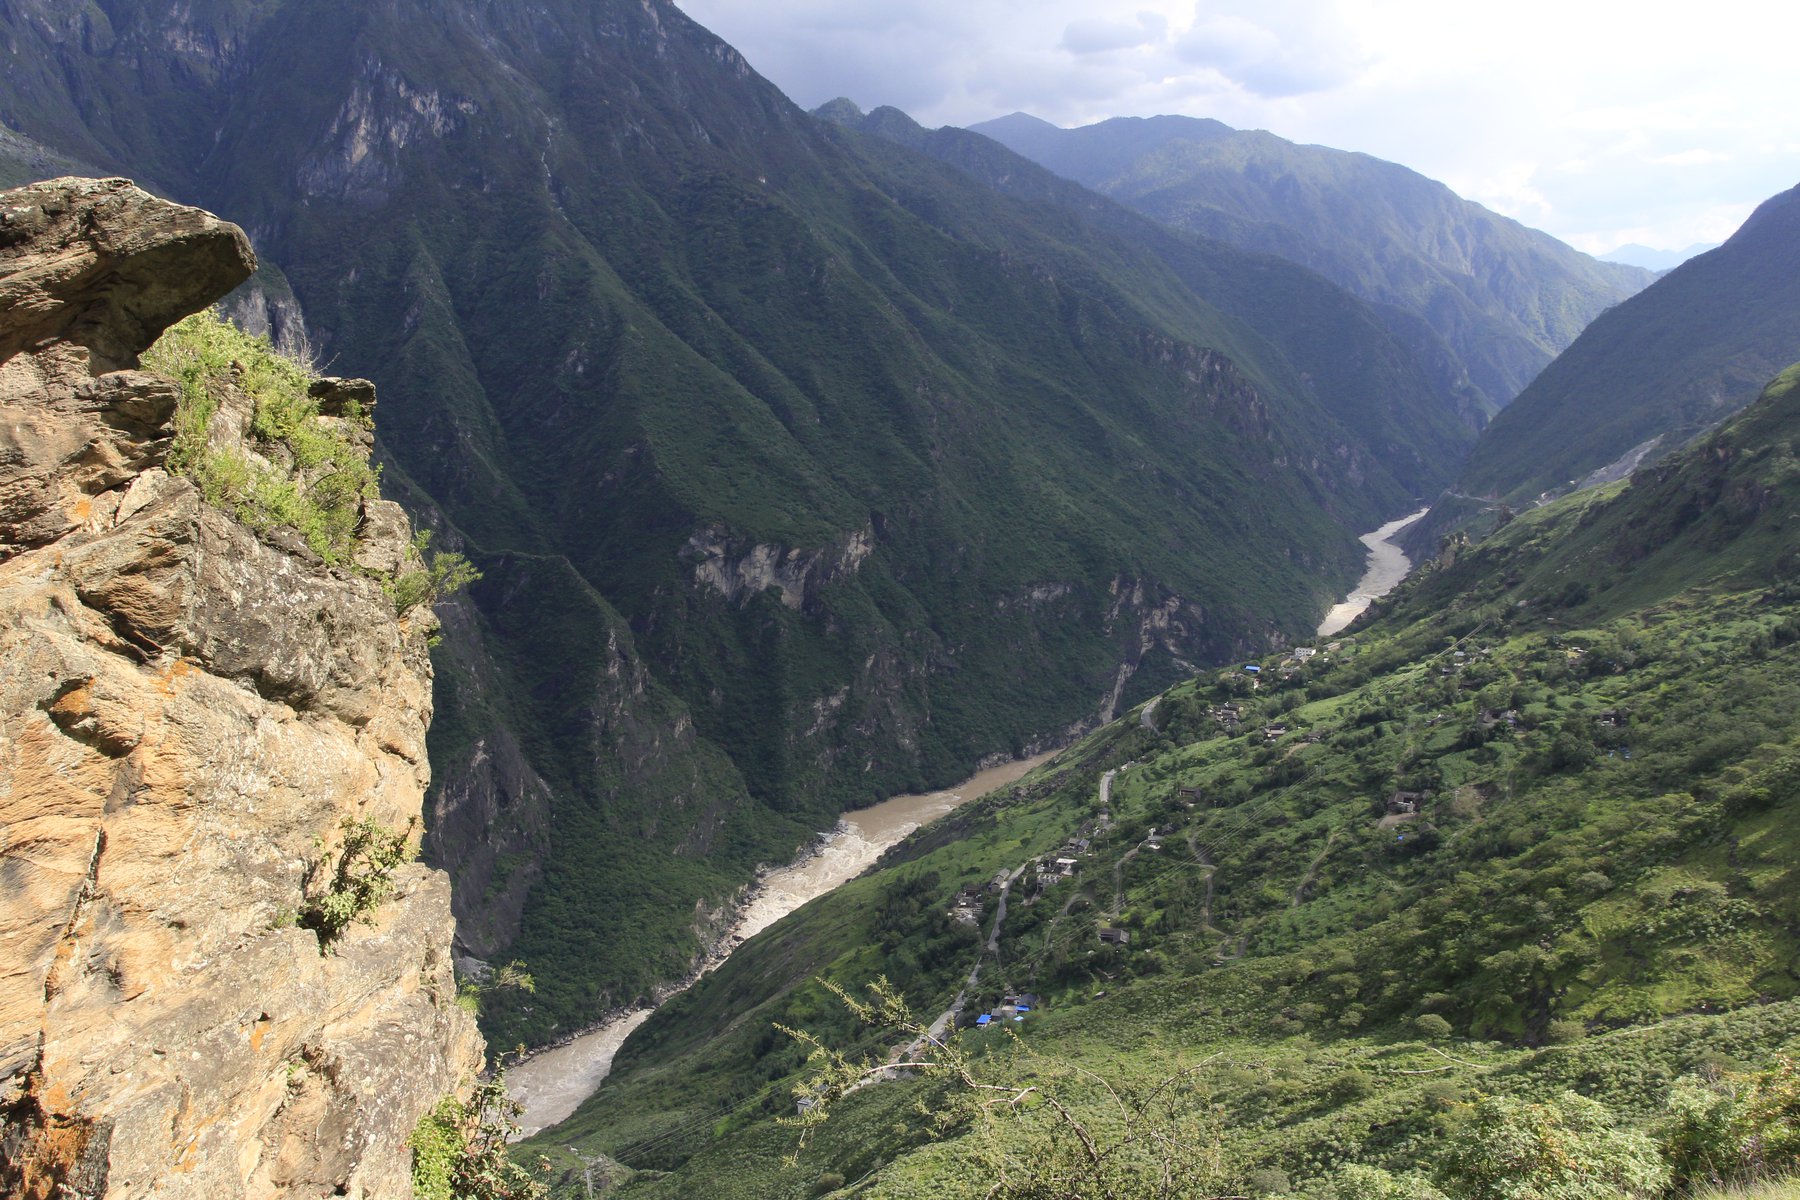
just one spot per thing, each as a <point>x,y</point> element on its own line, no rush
<point>439,575</point>
<point>459,1149</point>
<point>362,879</point>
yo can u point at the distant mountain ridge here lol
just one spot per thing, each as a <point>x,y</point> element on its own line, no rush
<point>1325,330</point>
<point>1651,259</point>
<point>1650,374</point>
<point>1506,298</point>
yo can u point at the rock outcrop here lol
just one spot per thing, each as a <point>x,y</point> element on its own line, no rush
<point>193,718</point>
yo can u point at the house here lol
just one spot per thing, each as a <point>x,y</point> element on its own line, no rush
<point>1065,867</point>
<point>1252,669</point>
<point>983,1020</point>
<point>1271,732</point>
<point>1302,653</point>
<point>1405,803</point>
<point>1153,842</point>
<point>1115,937</point>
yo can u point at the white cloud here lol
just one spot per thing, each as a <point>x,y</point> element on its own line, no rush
<point>1101,35</point>
<point>1592,119</point>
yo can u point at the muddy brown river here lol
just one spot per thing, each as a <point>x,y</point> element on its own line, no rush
<point>1388,565</point>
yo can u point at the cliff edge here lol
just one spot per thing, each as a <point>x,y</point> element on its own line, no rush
<point>212,730</point>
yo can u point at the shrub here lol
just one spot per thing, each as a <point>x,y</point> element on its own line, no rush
<point>459,1149</point>
<point>1432,1025</point>
<point>1357,1182</point>
<point>440,575</point>
<point>1566,1149</point>
<point>1737,1127</point>
<point>362,879</point>
<point>322,496</point>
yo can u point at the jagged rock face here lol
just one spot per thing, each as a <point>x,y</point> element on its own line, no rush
<point>188,716</point>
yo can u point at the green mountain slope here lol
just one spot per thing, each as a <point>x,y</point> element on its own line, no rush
<point>1506,298</point>
<point>1653,372</point>
<point>802,469</point>
<point>1531,828</point>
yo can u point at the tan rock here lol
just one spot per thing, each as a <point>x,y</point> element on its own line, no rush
<point>188,716</point>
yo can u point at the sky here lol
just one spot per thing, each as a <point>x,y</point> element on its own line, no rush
<point>1603,123</point>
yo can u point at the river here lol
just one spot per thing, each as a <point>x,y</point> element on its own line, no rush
<point>552,1083</point>
<point>1388,565</point>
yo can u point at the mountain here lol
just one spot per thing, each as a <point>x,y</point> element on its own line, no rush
<point>1634,255</point>
<point>800,468</point>
<point>1650,374</point>
<point>1527,829</point>
<point>1506,298</point>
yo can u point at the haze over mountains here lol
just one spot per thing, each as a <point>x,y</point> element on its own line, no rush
<point>1653,373</point>
<point>1651,259</point>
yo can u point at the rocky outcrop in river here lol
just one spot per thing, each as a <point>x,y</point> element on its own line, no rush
<point>195,720</point>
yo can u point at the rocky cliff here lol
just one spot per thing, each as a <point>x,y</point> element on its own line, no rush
<point>210,722</point>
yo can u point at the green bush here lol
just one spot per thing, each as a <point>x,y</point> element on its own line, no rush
<point>1357,1182</point>
<point>1738,1127</point>
<point>439,575</point>
<point>1566,1149</point>
<point>459,1149</point>
<point>1431,1025</point>
<point>362,879</point>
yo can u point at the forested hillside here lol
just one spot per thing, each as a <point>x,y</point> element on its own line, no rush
<point>1347,923</point>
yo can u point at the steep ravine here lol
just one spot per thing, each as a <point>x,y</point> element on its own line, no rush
<point>192,717</point>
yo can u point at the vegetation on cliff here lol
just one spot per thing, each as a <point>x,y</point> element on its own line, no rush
<point>216,744</point>
<point>297,470</point>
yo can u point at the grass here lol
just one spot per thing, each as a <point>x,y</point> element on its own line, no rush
<point>1769,1189</point>
<point>298,471</point>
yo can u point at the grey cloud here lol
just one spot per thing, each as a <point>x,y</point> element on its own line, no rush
<point>1273,48</point>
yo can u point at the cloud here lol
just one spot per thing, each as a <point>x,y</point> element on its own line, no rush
<point>1692,158</point>
<point>1101,36</point>
<point>1275,48</point>
<point>1563,114</point>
